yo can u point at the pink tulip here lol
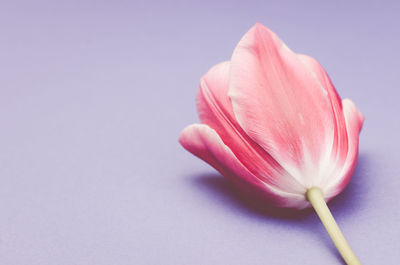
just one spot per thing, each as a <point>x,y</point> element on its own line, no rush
<point>272,122</point>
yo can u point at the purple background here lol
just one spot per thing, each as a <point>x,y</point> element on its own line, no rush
<point>93,96</point>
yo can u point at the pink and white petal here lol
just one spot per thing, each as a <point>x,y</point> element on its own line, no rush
<point>213,103</point>
<point>215,110</point>
<point>339,141</point>
<point>279,102</point>
<point>322,77</point>
<point>354,122</point>
<point>205,143</point>
<point>332,160</point>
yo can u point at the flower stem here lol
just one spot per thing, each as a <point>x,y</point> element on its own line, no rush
<point>314,195</point>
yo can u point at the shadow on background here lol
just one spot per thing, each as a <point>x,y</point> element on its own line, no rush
<point>345,204</point>
<point>227,193</point>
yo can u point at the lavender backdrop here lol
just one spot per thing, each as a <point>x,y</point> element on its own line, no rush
<point>93,96</point>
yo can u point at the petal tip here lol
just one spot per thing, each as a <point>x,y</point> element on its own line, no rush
<point>348,103</point>
<point>184,137</point>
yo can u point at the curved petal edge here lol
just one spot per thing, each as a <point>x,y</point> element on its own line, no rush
<point>205,143</point>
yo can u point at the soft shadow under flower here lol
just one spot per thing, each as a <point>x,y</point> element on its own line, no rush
<point>225,192</point>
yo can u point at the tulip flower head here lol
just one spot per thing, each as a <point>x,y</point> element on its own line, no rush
<point>273,123</point>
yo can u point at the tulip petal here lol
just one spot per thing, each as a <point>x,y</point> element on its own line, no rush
<point>281,104</point>
<point>205,143</point>
<point>215,110</point>
<point>354,122</point>
<point>334,158</point>
<point>339,144</point>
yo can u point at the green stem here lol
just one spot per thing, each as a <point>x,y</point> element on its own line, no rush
<point>314,195</point>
